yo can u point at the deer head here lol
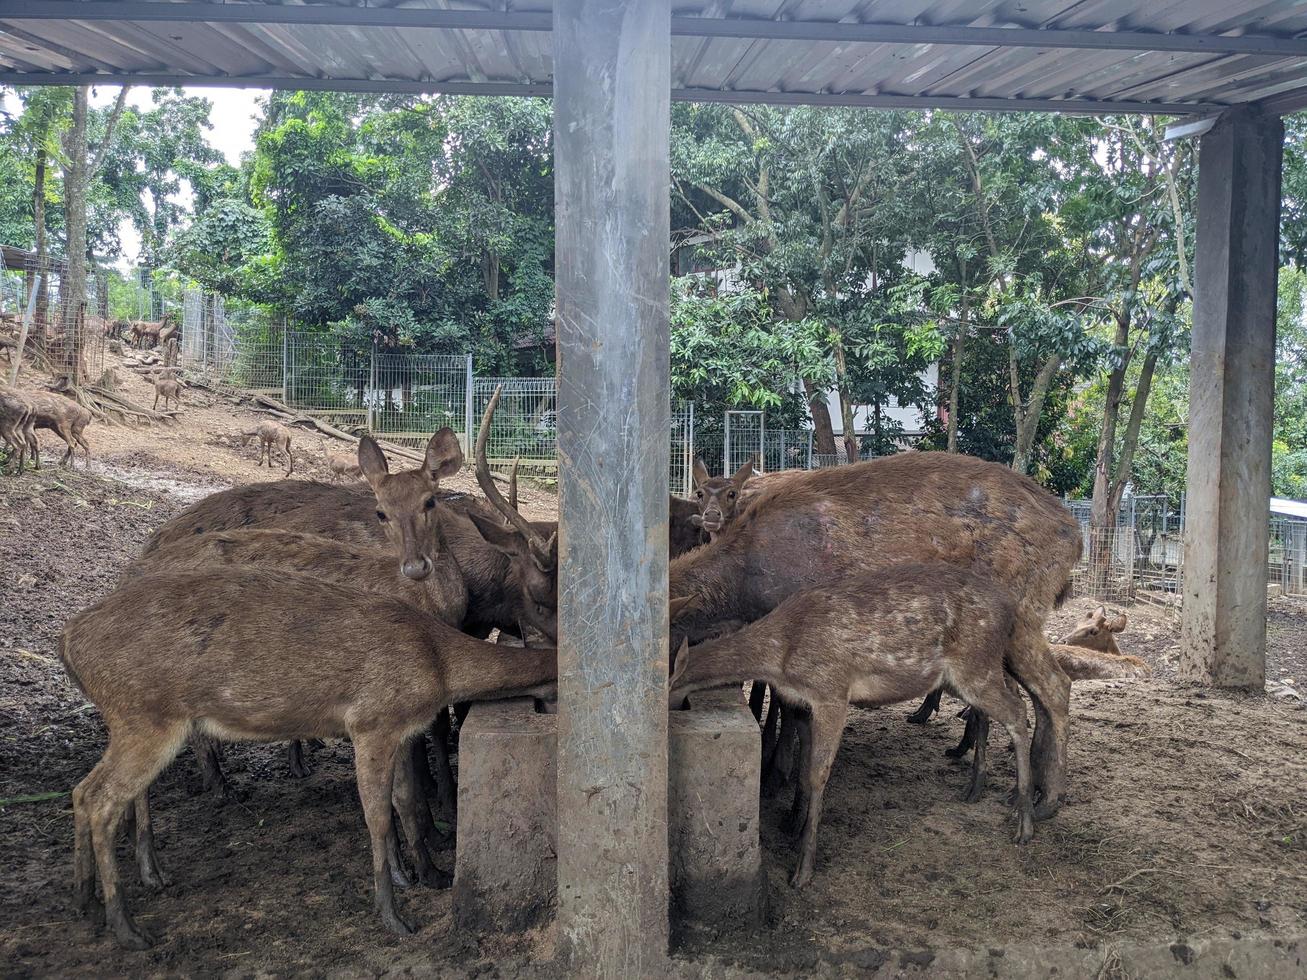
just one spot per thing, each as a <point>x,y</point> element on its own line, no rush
<point>406,502</point>
<point>719,496</point>
<point>1096,631</point>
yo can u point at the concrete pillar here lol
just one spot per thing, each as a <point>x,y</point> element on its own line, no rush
<point>612,81</point>
<point>1230,401</point>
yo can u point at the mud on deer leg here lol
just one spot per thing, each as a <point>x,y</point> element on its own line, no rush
<point>84,901</point>
<point>414,815</point>
<point>928,708</point>
<point>374,765</point>
<point>295,760</point>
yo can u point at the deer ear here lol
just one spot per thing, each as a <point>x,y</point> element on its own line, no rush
<point>681,661</point>
<point>372,461</point>
<point>505,539</point>
<point>1099,613</point>
<point>742,475</point>
<point>444,454</point>
<point>677,606</point>
<point>700,472</point>
<point>1118,624</point>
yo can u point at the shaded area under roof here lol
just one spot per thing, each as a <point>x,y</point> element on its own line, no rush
<point>1167,56</point>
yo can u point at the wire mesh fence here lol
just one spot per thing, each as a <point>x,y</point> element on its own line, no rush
<point>45,317</point>
<point>410,396</point>
<point>681,459</point>
<point>1287,557</point>
<point>525,425</point>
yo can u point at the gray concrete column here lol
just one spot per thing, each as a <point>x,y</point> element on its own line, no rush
<point>612,82</point>
<point>1231,399</point>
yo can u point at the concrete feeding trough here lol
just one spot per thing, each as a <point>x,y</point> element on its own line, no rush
<point>506,880</point>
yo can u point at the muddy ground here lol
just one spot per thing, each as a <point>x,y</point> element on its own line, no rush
<point>1187,818</point>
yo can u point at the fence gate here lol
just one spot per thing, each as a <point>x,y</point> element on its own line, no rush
<point>681,459</point>
<point>744,440</point>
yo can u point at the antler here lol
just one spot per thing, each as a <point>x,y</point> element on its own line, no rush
<point>541,550</point>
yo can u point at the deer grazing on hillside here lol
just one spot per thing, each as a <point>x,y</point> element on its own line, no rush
<point>270,434</point>
<point>17,423</point>
<point>263,675</point>
<point>821,527</point>
<point>150,333</point>
<point>63,416</point>
<point>872,640</point>
<point>341,466</point>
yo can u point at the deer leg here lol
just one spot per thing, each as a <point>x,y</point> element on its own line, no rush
<point>147,860</point>
<point>208,753</point>
<point>993,697</point>
<point>84,901</point>
<point>825,724</point>
<point>156,401</point>
<point>770,743</point>
<point>757,694</point>
<point>928,708</point>
<point>295,759</point>
<point>446,788</point>
<point>131,762</point>
<point>968,737</point>
<point>374,766</point>
<point>410,804</point>
<point>976,788</point>
<point>800,720</point>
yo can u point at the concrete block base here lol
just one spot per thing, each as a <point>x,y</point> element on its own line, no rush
<point>505,877</point>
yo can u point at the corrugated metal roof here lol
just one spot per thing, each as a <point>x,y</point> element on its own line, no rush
<point>1079,55</point>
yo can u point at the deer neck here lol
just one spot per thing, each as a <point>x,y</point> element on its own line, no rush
<point>475,670</point>
<point>751,654</point>
<point>711,574</point>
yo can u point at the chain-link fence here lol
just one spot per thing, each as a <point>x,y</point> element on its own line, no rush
<point>59,327</point>
<point>1287,557</point>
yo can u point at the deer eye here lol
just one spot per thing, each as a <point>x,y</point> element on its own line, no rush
<point>381,516</point>
<point>698,494</point>
<point>429,503</point>
<point>731,495</point>
<point>1094,631</point>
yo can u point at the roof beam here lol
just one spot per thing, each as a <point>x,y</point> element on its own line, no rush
<point>545,90</point>
<point>1284,103</point>
<point>702,27</point>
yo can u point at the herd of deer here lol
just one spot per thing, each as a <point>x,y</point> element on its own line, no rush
<point>296,610</point>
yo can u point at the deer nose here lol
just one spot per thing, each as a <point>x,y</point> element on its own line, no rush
<point>417,569</point>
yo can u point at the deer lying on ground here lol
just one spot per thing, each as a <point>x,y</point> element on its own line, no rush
<point>872,640</point>
<point>302,659</point>
<point>167,387</point>
<point>270,434</point>
<point>63,416</point>
<point>821,527</point>
<point>1088,652</point>
<point>17,423</point>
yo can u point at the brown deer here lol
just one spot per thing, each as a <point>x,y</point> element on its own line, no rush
<point>342,465</point>
<point>821,527</point>
<point>61,415</point>
<point>873,640</point>
<point>143,333</point>
<point>17,423</point>
<point>302,660</point>
<point>718,497</point>
<point>270,434</point>
<point>167,387</point>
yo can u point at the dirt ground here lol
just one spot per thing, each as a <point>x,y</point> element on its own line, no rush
<point>1187,817</point>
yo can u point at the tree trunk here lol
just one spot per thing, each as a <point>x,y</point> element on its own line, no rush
<point>842,386</point>
<point>38,221</point>
<point>1027,413</point>
<point>955,382</point>
<point>490,275</point>
<point>823,432</point>
<point>72,288</point>
<point>1101,513</point>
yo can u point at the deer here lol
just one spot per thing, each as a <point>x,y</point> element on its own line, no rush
<point>262,675</point>
<point>818,527</point>
<point>718,497</point>
<point>17,424</point>
<point>63,416</point>
<point>270,434</point>
<point>341,465</point>
<point>154,331</point>
<point>167,387</point>
<point>871,640</point>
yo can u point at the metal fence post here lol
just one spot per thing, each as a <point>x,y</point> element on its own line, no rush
<point>370,395</point>
<point>689,454</point>
<point>469,407</point>
<point>285,362</point>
